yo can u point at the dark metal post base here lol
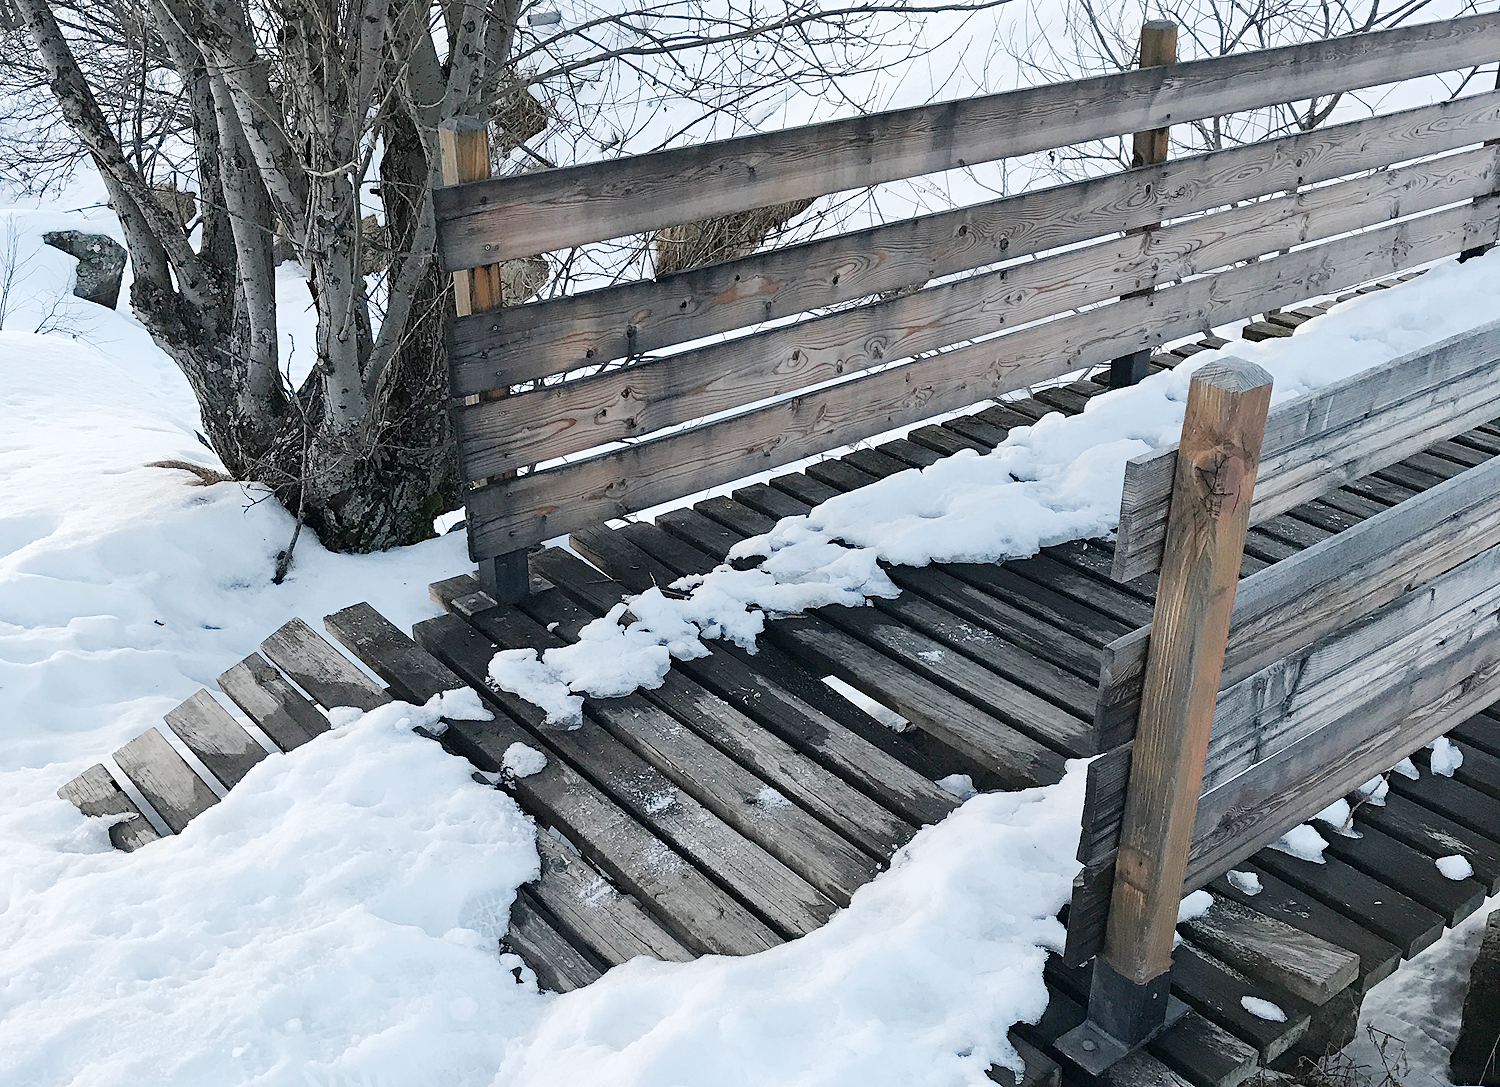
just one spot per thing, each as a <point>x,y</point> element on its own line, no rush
<point>1129,369</point>
<point>506,577</point>
<point>1123,1016</point>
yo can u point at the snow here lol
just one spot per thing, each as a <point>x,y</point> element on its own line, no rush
<point>1339,818</point>
<point>915,983</point>
<point>522,760</point>
<point>1194,905</point>
<point>1263,1009</point>
<point>1374,791</point>
<point>958,785</point>
<point>1407,769</point>
<point>1456,866</point>
<point>1059,479</point>
<point>1245,882</point>
<point>1302,842</point>
<point>1446,757</point>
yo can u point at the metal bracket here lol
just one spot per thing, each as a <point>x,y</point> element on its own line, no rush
<point>1123,1016</point>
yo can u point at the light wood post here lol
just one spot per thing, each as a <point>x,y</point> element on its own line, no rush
<point>1158,47</point>
<point>464,147</point>
<point>1210,511</point>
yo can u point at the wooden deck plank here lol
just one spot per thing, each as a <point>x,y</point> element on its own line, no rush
<point>1435,834</point>
<point>1378,958</point>
<point>280,711</point>
<point>585,908</point>
<point>226,749</point>
<point>694,908</point>
<point>165,779</point>
<point>95,793</point>
<point>320,670</point>
<point>559,966</point>
<point>678,816</point>
<point>1268,948</point>
<point>1398,865</point>
<point>413,674</point>
<point>1216,992</point>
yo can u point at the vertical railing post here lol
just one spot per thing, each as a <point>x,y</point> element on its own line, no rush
<point>464,147</point>
<point>1158,47</point>
<point>1210,511</point>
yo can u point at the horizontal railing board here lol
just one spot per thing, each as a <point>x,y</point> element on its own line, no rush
<point>1393,683</point>
<point>496,436</point>
<point>1319,442</point>
<point>1288,605</point>
<point>486,221</point>
<point>514,514</point>
<point>520,343</point>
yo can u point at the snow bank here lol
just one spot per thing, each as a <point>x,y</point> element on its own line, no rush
<point>334,919</point>
<point>1057,480</point>
<point>915,983</point>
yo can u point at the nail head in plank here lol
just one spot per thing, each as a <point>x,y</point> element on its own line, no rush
<point>280,711</point>
<point>226,749</point>
<point>165,779</point>
<point>95,793</point>
<point>320,670</point>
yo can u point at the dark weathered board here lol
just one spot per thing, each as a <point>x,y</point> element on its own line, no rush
<point>414,674</point>
<point>165,779</point>
<point>573,331</point>
<point>1318,442</point>
<point>694,908</point>
<point>1437,834</point>
<point>505,516</point>
<point>1216,990</point>
<point>95,793</point>
<point>1274,951</point>
<point>1378,958</point>
<point>320,670</point>
<point>487,221</point>
<point>1400,866</point>
<point>226,749</point>
<point>280,711</point>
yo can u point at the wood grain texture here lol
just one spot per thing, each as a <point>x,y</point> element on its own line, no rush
<point>464,155</point>
<point>634,401</point>
<point>535,507</point>
<point>216,738</point>
<point>521,343</point>
<point>282,712</point>
<point>1215,479</point>
<point>165,779</point>
<point>1321,441</point>
<point>321,670</point>
<point>1268,948</point>
<point>486,221</point>
<point>95,793</point>
<point>558,965</point>
<point>412,672</point>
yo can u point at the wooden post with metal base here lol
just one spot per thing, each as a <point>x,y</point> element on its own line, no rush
<point>1210,511</point>
<point>464,146</point>
<point>1158,47</point>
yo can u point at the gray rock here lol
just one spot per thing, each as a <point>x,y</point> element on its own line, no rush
<point>1476,1057</point>
<point>101,264</point>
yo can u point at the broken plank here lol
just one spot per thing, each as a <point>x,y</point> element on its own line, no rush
<point>95,793</point>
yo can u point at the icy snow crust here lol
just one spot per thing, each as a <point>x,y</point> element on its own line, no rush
<point>1055,481</point>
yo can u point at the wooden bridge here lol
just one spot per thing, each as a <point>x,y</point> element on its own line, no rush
<point>1364,624</point>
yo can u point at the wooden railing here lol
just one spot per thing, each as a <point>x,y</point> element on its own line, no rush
<point>572,411</point>
<point>1333,665</point>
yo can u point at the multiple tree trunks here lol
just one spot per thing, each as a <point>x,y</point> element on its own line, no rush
<point>576,410</point>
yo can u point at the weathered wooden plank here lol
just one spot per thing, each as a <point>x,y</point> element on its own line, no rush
<point>562,334</point>
<point>559,966</point>
<point>414,674</point>
<point>1318,442</point>
<point>588,910</point>
<point>487,221</point>
<point>95,793</point>
<point>280,711</point>
<point>1216,990</point>
<point>696,910</point>
<point>1383,910</point>
<point>1400,866</point>
<point>1215,479</point>
<point>320,670</point>
<point>1378,958</point>
<point>793,718</point>
<point>1436,835</point>
<point>216,738</point>
<point>516,513</point>
<point>1274,951</point>
<point>498,435</point>
<point>165,779</point>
